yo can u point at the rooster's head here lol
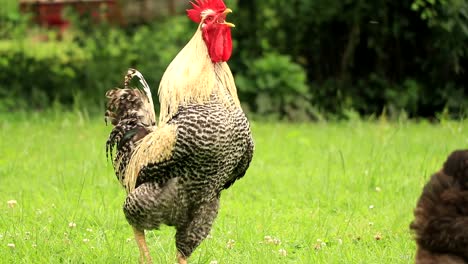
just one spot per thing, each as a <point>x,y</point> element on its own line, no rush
<point>211,15</point>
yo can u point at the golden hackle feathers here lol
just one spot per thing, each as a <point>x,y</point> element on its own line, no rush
<point>155,147</point>
<point>192,78</point>
<point>225,79</point>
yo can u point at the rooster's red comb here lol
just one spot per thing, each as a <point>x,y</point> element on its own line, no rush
<point>201,5</point>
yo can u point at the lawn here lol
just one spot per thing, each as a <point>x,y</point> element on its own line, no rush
<point>338,192</point>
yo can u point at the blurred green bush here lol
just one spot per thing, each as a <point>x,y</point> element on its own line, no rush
<point>275,87</point>
<point>293,60</point>
<point>369,56</point>
<point>85,63</point>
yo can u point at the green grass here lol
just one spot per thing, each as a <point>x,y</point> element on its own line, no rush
<point>306,182</point>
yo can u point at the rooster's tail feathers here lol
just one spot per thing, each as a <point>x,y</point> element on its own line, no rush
<point>132,73</point>
<point>130,111</point>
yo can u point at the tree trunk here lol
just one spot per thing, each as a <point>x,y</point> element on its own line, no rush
<point>171,7</point>
<point>348,54</point>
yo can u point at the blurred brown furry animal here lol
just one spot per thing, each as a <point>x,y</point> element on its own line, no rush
<point>441,215</point>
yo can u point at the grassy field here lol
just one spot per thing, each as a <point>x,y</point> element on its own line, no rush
<point>319,193</point>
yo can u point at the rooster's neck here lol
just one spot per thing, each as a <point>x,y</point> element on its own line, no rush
<point>192,78</point>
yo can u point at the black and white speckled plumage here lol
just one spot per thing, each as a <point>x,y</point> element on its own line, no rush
<point>213,148</point>
<point>126,110</point>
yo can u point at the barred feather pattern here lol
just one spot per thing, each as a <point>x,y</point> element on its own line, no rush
<point>441,215</point>
<point>213,149</point>
<point>130,112</point>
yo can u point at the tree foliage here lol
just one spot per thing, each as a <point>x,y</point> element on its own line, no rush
<point>366,55</point>
<point>297,59</point>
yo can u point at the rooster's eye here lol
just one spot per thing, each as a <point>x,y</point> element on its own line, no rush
<point>209,18</point>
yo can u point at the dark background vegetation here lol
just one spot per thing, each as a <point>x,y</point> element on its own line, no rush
<point>293,59</point>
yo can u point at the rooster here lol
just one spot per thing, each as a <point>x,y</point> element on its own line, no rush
<point>441,214</point>
<point>174,169</point>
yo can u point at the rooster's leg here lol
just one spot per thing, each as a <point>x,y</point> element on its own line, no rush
<point>181,258</point>
<point>191,234</point>
<point>142,246</point>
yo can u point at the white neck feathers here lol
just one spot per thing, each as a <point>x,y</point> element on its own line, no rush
<point>192,78</point>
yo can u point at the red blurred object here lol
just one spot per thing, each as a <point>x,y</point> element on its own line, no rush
<point>49,13</point>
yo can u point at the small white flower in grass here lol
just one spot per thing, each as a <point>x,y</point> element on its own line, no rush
<point>214,262</point>
<point>377,189</point>
<point>89,230</point>
<point>34,245</point>
<point>230,244</point>
<point>320,244</point>
<point>72,225</point>
<point>340,242</point>
<point>282,252</point>
<point>11,245</point>
<point>12,203</point>
<point>371,223</point>
<point>272,240</point>
<point>268,239</point>
<point>276,241</point>
<point>371,206</point>
<point>86,240</point>
<point>209,236</point>
<point>378,236</point>
<point>129,239</point>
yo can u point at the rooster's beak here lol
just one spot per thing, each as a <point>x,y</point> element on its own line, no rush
<point>227,11</point>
